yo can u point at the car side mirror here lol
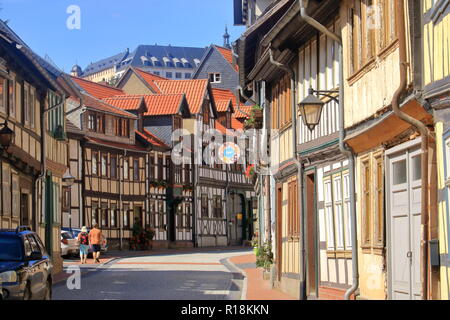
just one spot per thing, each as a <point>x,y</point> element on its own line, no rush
<point>35,255</point>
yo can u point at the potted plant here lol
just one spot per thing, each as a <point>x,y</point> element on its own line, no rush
<point>264,259</point>
<point>255,120</point>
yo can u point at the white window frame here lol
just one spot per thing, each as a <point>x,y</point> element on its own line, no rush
<point>215,77</point>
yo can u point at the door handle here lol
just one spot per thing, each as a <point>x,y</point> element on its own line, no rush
<point>409,254</point>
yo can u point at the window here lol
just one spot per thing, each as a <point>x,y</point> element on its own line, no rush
<point>372,184</point>
<point>126,216</point>
<point>169,75</point>
<point>66,199</point>
<point>217,209</point>
<point>136,169</point>
<point>11,97</point>
<point>215,78</point>
<point>113,213</point>
<point>104,165</point>
<point>179,216</point>
<point>178,75</point>
<point>372,29</point>
<point>281,103</point>
<point>126,169</point>
<point>160,168</point>
<point>187,75</point>
<point>293,212</point>
<point>104,215</point>
<point>337,212</point>
<point>125,126</point>
<point>56,117</point>
<point>94,162</point>
<point>187,216</point>
<point>91,122</point>
<point>113,167</point>
<point>177,123</point>
<point>26,104</point>
<point>156,73</point>
<point>206,114</point>
<point>15,195</point>
<point>204,206</point>
<point>3,86</point>
<point>100,123</point>
<point>167,168</point>
<point>95,213</point>
<point>160,218</point>
<point>152,213</point>
<point>152,167</point>
<point>32,106</point>
<point>187,173</point>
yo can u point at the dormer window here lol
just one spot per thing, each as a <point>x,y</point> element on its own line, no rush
<point>96,122</point>
<point>215,78</point>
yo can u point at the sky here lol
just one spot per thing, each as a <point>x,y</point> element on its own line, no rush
<point>108,27</point>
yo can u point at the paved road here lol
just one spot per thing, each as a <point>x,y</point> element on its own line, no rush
<point>177,276</point>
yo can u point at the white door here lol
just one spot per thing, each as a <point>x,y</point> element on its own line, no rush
<point>404,221</point>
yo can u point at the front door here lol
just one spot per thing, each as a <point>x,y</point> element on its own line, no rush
<point>311,235</point>
<point>235,220</point>
<point>404,217</point>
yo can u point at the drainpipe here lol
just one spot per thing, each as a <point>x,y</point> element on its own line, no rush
<point>423,130</point>
<point>302,264</point>
<point>344,149</point>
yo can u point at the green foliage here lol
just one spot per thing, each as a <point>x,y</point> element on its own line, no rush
<point>264,256</point>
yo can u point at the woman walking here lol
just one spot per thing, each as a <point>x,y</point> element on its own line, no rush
<point>83,240</point>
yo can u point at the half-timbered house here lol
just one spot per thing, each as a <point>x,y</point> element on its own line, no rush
<point>35,163</point>
<point>436,89</point>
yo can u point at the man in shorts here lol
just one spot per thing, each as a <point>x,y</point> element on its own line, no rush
<point>95,239</point>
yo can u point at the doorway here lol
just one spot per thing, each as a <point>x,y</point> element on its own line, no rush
<point>279,239</point>
<point>403,178</point>
<point>24,210</point>
<point>235,219</point>
<point>311,236</point>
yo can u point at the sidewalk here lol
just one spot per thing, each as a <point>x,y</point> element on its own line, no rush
<point>257,288</point>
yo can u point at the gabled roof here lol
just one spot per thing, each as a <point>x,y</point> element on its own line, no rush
<point>149,137</point>
<point>92,103</point>
<point>48,71</point>
<point>228,55</point>
<point>223,98</point>
<point>130,103</point>
<point>240,115</point>
<point>195,91</point>
<point>164,104</point>
<point>224,105</point>
<point>100,91</point>
<point>149,79</point>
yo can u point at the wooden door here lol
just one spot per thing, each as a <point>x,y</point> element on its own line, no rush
<point>279,242</point>
<point>311,240</point>
<point>404,205</point>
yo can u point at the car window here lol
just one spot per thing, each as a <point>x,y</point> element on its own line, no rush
<point>11,249</point>
<point>41,245</point>
<point>27,246</point>
<point>66,235</point>
<point>33,243</point>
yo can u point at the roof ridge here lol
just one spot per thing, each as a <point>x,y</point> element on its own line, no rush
<point>109,105</point>
<point>97,83</point>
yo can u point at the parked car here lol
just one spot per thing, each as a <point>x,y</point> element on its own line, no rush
<point>69,244</point>
<point>25,266</point>
<point>75,233</point>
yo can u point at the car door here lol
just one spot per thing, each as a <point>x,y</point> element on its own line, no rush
<point>37,267</point>
<point>48,267</point>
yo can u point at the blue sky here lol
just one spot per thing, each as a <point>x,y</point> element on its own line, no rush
<point>110,26</point>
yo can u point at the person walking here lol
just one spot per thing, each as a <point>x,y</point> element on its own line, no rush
<point>83,240</point>
<point>95,239</point>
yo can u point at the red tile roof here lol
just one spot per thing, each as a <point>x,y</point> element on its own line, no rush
<point>223,105</point>
<point>93,103</point>
<point>236,124</point>
<point>125,102</point>
<point>100,91</point>
<point>239,115</point>
<point>227,54</point>
<point>151,138</point>
<point>150,78</point>
<point>223,97</point>
<point>195,91</point>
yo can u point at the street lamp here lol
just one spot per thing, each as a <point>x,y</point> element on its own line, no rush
<point>311,107</point>
<point>6,136</point>
<point>68,179</point>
